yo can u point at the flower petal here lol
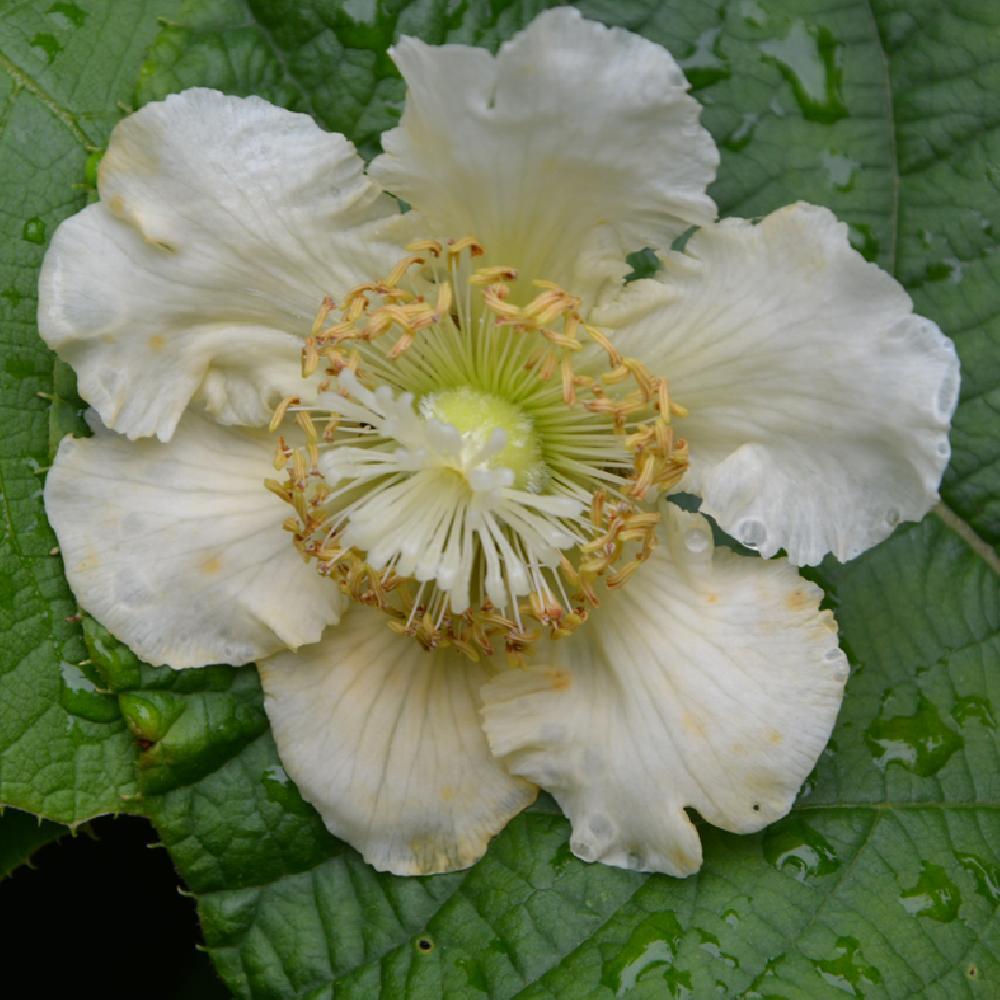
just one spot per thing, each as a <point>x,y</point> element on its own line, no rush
<point>222,223</point>
<point>384,739</point>
<point>710,681</point>
<point>571,126</point>
<point>178,548</point>
<point>819,403</point>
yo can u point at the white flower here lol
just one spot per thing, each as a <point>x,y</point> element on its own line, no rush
<point>474,455</point>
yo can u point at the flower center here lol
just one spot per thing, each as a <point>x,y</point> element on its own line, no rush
<point>473,467</point>
<point>496,432</point>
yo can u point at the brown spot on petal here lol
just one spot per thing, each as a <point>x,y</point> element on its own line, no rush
<point>712,598</point>
<point>156,342</point>
<point>211,566</point>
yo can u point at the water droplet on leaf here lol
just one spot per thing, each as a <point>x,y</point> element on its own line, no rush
<point>794,847</point>
<point>934,896</point>
<point>809,59</point>
<point>920,742</point>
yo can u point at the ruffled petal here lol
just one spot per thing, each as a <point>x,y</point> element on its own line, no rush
<point>819,403</point>
<point>178,548</point>
<point>710,681</point>
<point>223,222</point>
<point>384,739</point>
<point>570,127</point>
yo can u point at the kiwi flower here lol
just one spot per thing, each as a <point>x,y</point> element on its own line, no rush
<point>417,464</point>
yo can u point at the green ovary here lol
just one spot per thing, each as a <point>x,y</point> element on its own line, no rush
<point>477,414</point>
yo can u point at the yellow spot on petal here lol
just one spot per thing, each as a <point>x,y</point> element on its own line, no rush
<point>712,598</point>
<point>447,793</point>
<point>797,600</point>
<point>692,724</point>
<point>559,679</point>
<point>157,342</point>
<point>211,566</point>
<point>116,206</point>
<point>775,737</point>
<point>88,563</point>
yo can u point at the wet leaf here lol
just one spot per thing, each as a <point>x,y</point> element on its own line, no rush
<point>64,751</point>
<point>885,879</point>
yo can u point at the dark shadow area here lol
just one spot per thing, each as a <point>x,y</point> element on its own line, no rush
<point>100,913</point>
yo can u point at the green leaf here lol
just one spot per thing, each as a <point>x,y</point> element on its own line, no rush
<point>64,750</point>
<point>885,878</point>
<point>20,836</point>
<point>893,842</point>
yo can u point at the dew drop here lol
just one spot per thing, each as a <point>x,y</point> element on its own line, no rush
<point>809,59</point>
<point>987,876</point>
<point>934,896</point>
<point>648,957</point>
<point>752,13</point>
<point>706,64</point>
<point>49,44</point>
<point>601,827</point>
<point>795,848</point>
<point>920,742</point>
<point>752,533</point>
<point>848,969</point>
<point>973,706</point>
<point>79,695</point>
<point>34,230</point>
<point>740,137</point>
<point>945,400</point>
<point>69,13</point>
<point>695,540</point>
<point>840,170</point>
<point>863,240</point>
<point>711,944</point>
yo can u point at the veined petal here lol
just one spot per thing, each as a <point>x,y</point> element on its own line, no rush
<point>711,681</point>
<point>571,126</point>
<point>819,403</point>
<point>384,739</point>
<point>223,222</point>
<point>178,548</point>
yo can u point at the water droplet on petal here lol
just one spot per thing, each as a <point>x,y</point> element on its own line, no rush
<point>752,533</point>
<point>695,540</point>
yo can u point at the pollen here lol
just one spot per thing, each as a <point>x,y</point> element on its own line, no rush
<point>476,462</point>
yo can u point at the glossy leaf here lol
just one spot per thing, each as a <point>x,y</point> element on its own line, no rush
<point>885,878</point>
<point>64,750</point>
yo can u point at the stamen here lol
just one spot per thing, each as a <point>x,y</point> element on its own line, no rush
<point>443,475</point>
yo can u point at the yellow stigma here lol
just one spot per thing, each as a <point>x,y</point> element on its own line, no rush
<point>477,416</point>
